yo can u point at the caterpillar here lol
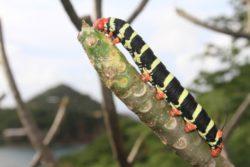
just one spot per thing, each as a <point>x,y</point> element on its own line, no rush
<point>167,86</point>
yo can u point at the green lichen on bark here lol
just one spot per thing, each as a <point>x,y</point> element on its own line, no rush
<point>123,79</point>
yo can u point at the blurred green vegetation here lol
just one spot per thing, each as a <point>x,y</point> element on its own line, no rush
<point>220,101</point>
<point>98,153</point>
<point>83,118</point>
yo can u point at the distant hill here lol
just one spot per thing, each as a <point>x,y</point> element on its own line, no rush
<point>83,117</point>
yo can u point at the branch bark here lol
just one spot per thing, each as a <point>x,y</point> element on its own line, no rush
<point>137,11</point>
<point>230,126</point>
<point>119,76</point>
<point>135,148</point>
<point>201,23</point>
<point>110,114</point>
<point>33,132</point>
<point>108,107</point>
<point>55,127</point>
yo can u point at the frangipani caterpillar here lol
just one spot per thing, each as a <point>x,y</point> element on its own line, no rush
<point>167,86</point>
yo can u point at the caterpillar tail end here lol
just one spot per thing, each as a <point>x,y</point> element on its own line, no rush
<point>175,112</point>
<point>189,127</point>
<point>216,151</point>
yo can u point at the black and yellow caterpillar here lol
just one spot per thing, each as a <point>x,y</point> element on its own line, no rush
<point>167,86</point>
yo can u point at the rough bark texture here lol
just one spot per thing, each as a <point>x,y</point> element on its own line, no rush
<point>33,132</point>
<point>109,112</point>
<point>119,76</point>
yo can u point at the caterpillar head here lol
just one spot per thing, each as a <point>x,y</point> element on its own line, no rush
<point>99,24</point>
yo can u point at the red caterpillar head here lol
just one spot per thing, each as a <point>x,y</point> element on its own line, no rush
<point>99,24</point>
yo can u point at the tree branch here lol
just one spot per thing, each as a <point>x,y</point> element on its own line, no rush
<point>137,11</point>
<point>33,132</point>
<point>230,126</point>
<point>97,9</point>
<point>135,148</point>
<point>68,7</point>
<point>110,114</point>
<point>2,97</point>
<point>108,107</point>
<point>197,21</point>
<point>119,76</point>
<point>55,127</point>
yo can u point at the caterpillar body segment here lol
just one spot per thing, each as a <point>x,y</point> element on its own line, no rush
<point>167,86</point>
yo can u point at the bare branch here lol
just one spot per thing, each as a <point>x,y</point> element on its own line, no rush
<point>229,128</point>
<point>68,7</point>
<point>97,9</point>
<point>135,148</point>
<point>137,11</point>
<point>12,133</point>
<point>110,113</point>
<point>199,22</point>
<point>112,127</point>
<point>33,132</point>
<point>52,131</point>
<point>2,97</point>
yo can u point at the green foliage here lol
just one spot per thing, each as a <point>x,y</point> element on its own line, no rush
<point>98,153</point>
<point>222,101</point>
<point>83,118</point>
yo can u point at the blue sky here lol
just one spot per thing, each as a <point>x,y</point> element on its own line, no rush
<point>43,49</point>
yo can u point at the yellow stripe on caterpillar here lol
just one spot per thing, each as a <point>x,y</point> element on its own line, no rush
<point>122,31</point>
<point>183,95</point>
<point>137,57</point>
<point>213,143</point>
<point>166,82</point>
<point>128,42</point>
<point>112,24</point>
<point>208,128</point>
<point>197,111</point>
<point>154,64</point>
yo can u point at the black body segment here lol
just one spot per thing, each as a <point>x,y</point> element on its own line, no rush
<point>176,95</point>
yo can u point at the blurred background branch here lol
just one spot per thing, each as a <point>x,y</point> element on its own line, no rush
<point>137,11</point>
<point>204,24</point>
<point>135,149</point>
<point>55,127</point>
<point>235,120</point>
<point>33,132</point>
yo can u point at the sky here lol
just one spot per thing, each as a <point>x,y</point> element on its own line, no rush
<point>43,49</point>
